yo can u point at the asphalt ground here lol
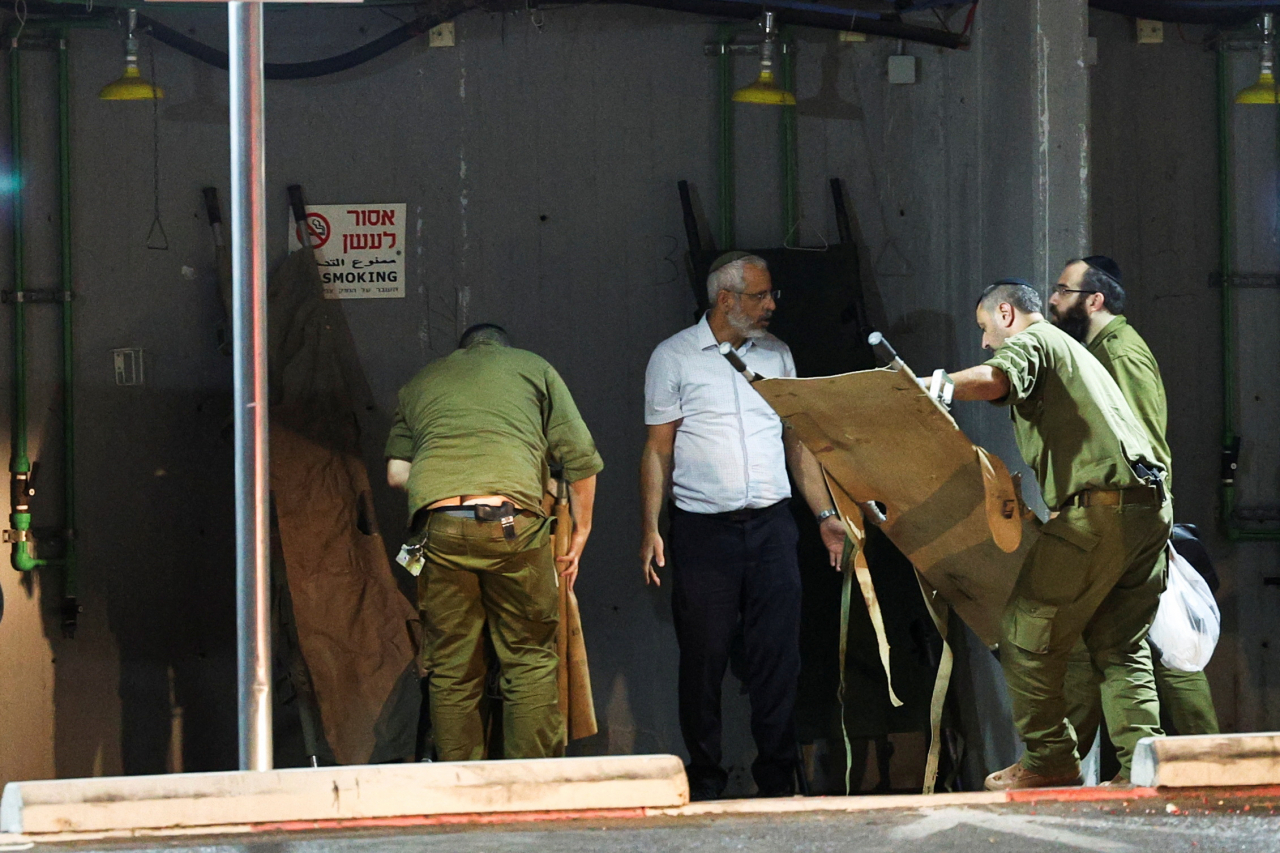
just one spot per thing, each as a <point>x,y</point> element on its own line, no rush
<point>1193,824</point>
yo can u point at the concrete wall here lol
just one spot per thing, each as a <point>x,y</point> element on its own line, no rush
<point>539,169</point>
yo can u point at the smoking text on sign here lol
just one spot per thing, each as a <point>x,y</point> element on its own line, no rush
<point>359,249</point>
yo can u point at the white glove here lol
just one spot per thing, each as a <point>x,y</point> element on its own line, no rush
<point>939,386</point>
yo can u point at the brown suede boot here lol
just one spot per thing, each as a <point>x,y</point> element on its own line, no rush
<point>1017,776</point>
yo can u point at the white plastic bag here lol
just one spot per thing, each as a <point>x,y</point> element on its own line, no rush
<point>1185,630</point>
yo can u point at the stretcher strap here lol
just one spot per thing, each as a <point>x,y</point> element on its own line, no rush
<point>853,563</point>
<point>940,685</point>
<point>855,529</point>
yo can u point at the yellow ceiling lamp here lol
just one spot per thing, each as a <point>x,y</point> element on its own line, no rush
<point>765,90</point>
<point>1264,91</point>
<point>131,86</point>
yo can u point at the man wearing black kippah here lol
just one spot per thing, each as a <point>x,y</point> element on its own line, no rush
<point>1088,303</point>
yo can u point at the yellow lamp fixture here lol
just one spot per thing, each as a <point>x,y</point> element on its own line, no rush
<point>1264,91</point>
<point>131,86</point>
<point>765,90</point>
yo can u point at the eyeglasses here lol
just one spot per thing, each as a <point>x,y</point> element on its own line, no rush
<point>761,296</point>
<point>1062,288</point>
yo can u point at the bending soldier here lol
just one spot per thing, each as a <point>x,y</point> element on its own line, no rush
<point>1096,571</point>
<point>470,443</point>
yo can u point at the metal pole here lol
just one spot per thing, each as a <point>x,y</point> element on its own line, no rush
<point>249,345</point>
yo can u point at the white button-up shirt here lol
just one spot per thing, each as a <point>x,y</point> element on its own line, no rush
<point>728,452</point>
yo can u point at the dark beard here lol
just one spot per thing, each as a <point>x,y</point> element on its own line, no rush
<point>1074,321</point>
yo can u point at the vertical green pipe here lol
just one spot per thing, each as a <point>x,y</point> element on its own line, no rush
<point>1226,248</point>
<point>790,156</point>
<point>724,81</point>
<point>19,462</point>
<point>70,576</point>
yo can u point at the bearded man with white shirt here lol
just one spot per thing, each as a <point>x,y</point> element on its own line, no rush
<point>721,454</point>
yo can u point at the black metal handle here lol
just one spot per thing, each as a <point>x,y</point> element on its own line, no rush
<point>211,206</point>
<point>843,228</point>
<point>296,204</point>
<point>690,220</point>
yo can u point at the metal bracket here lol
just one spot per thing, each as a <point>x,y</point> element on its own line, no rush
<point>1245,280</point>
<point>37,296</point>
<point>1256,514</point>
<point>16,536</point>
<point>716,48</point>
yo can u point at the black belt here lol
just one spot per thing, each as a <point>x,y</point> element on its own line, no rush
<point>737,515</point>
<point>482,512</point>
<point>504,513</point>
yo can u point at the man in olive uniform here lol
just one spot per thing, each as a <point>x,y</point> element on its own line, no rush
<point>1095,570</point>
<point>470,442</point>
<point>1088,304</point>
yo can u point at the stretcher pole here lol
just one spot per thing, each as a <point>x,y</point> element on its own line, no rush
<point>249,354</point>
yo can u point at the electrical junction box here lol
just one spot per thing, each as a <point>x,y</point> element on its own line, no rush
<point>128,366</point>
<point>1150,32</point>
<point>902,69</point>
<point>441,36</point>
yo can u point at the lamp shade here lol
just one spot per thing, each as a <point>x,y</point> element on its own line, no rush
<point>1262,92</point>
<point>765,91</point>
<point>131,87</point>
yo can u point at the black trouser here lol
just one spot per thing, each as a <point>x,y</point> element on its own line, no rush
<point>728,569</point>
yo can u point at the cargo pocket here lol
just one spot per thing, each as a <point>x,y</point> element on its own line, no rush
<point>1060,566</point>
<point>1033,626</point>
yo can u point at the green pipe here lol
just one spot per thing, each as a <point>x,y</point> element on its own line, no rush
<point>70,577</point>
<point>23,558</point>
<point>1226,244</point>
<point>724,68</point>
<point>790,156</point>
<point>19,464</point>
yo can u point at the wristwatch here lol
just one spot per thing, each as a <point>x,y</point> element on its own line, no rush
<point>825,514</point>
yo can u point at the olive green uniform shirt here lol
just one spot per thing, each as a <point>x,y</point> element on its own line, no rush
<point>1128,359</point>
<point>486,420</point>
<point>1071,420</point>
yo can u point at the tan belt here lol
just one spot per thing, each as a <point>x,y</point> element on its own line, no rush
<point>1134,496</point>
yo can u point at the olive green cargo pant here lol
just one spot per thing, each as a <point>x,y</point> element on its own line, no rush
<point>1185,699</point>
<point>472,575</point>
<point>1095,573</point>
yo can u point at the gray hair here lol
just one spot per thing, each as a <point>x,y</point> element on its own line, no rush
<point>484,333</point>
<point>1016,292</point>
<point>732,276</point>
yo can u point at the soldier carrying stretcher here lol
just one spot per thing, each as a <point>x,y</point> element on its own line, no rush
<point>1097,570</point>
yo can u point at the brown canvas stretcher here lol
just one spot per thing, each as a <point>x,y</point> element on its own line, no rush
<point>951,507</point>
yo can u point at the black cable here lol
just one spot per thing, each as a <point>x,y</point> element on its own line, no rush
<point>1176,12</point>
<point>451,9</point>
<point>317,67</point>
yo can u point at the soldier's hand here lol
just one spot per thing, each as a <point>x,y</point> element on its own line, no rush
<point>568,564</point>
<point>652,557</point>
<point>939,386</point>
<point>832,531</point>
